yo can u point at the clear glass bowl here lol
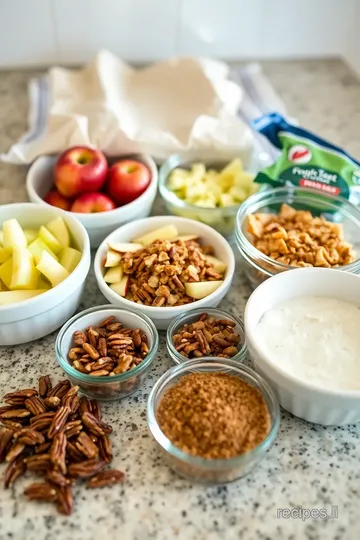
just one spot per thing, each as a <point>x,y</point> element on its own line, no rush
<point>211,471</point>
<point>118,386</point>
<point>221,219</point>
<point>257,266</point>
<point>190,317</point>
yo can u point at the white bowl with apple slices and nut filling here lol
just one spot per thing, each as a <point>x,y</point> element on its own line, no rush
<point>36,317</point>
<point>40,180</point>
<point>162,316</point>
<point>323,396</point>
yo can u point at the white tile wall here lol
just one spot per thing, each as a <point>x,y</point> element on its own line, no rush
<point>26,32</point>
<point>136,30</point>
<point>72,31</point>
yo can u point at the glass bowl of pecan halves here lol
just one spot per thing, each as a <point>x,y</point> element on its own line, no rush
<point>107,351</point>
<point>206,333</point>
<point>294,227</point>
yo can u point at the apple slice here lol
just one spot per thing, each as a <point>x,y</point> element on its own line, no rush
<point>1,237</point>
<point>49,239</point>
<point>31,235</point>
<point>10,297</point>
<point>114,274</point>
<point>4,255</point>
<point>218,266</point>
<point>36,249</point>
<point>124,247</point>
<point>43,283</point>
<point>60,230</point>
<point>113,258</point>
<point>13,235</point>
<point>200,289</point>
<point>70,258</point>
<point>187,237</point>
<point>122,287</point>
<point>52,269</point>
<point>169,232</point>
<point>6,272</point>
<point>24,274</point>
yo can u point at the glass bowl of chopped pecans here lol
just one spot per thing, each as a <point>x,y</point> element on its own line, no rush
<point>213,419</point>
<point>211,333</point>
<point>293,227</point>
<point>107,351</point>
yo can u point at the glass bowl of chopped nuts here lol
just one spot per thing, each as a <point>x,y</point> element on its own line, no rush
<point>213,419</point>
<point>211,332</point>
<point>107,351</point>
<point>292,227</point>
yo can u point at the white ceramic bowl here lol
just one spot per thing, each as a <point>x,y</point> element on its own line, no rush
<point>39,181</point>
<point>34,318</point>
<point>159,315</point>
<point>303,399</point>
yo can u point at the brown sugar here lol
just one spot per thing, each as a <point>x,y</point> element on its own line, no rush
<point>214,415</point>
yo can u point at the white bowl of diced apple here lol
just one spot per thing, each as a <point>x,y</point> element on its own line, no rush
<point>44,261</point>
<point>163,266</point>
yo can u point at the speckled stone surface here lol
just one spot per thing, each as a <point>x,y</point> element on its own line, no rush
<point>309,465</point>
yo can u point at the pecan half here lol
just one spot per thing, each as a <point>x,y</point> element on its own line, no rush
<point>41,491</point>
<point>106,478</point>
<point>59,421</point>
<point>14,452</point>
<point>72,428</point>
<point>45,386</point>
<point>14,470</point>
<point>60,389</point>
<point>105,449</point>
<point>55,477</point>
<point>34,405</point>
<point>58,452</point>
<point>65,500</point>
<point>97,427</point>
<point>86,446</point>
<point>14,413</point>
<point>29,437</point>
<point>52,402</point>
<point>85,469</point>
<point>6,436</point>
<point>38,462</point>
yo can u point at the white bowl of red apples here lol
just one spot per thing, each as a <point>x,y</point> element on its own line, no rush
<point>101,193</point>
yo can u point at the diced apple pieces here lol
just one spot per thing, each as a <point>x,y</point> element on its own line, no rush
<point>37,247</point>
<point>169,232</point>
<point>114,274</point>
<point>219,266</point>
<point>13,235</point>
<point>6,272</point>
<point>24,274</point>
<point>10,297</point>
<point>49,239</point>
<point>70,258</point>
<point>52,269</point>
<point>124,247</point>
<point>4,255</point>
<point>113,258</point>
<point>30,235</point>
<point>122,287</point>
<point>201,289</point>
<point>59,229</point>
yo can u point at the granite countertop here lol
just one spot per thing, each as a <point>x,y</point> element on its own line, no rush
<point>309,465</point>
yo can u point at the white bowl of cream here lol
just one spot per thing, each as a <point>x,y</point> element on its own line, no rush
<point>303,334</point>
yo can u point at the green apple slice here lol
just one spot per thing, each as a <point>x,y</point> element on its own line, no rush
<point>10,297</point>
<point>13,235</point>
<point>6,272</point>
<point>218,266</point>
<point>59,229</point>
<point>201,289</point>
<point>169,232</point>
<point>31,235</point>
<point>49,239</point>
<point>70,258</point>
<point>4,255</point>
<point>187,237</point>
<point>114,274</point>
<point>124,247</point>
<point>24,274</point>
<point>52,269</point>
<point>37,247</point>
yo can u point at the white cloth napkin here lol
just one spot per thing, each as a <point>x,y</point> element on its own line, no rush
<point>182,105</point>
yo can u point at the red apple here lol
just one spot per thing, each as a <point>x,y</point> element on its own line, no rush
<point>80,170</point>
<point>91,203</point>
<point>128,179</point>
<point>56,199</point>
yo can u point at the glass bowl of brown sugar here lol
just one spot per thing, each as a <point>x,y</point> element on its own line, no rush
<point>213,419</point>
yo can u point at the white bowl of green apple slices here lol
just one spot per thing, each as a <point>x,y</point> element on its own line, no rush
<point>44,261</point>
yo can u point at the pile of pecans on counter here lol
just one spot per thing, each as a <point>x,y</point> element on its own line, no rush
<point>56,435</point>
<point>207,336</point>
<point>296,238</point>
<point>108,349</point>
